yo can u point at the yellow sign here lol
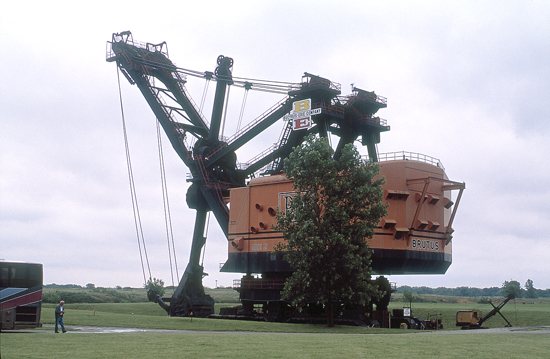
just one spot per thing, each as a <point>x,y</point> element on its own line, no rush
<point>301,114</point>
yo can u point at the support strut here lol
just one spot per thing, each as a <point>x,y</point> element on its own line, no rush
<point>189,298</point>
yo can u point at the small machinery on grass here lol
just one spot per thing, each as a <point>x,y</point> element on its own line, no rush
<point>472,319</point>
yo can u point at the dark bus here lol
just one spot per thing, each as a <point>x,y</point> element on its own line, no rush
<point>20,295</point>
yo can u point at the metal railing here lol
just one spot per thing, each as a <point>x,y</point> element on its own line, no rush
<point>249,126</point>
<point>270,149</point>
<point>411,156</point>
<point>259,283</point>
<point>347,99</point>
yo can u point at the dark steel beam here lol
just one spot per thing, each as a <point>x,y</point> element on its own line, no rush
<point>251,133</point>
<point>223,76</point>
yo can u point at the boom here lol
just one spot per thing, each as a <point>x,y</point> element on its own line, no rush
<point>495,311</point>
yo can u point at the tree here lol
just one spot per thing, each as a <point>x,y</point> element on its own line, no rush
<point>385,291</point>
<point>336,206</point>
<point>155,284</point>
<point>531,291</point>
<point>511,289</point>
<point>408,296</point>
<point>90,286</point>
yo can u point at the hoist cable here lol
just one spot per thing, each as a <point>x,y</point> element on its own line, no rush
<point>258,85</point>
<point>135,207</point>
<point>327,129</point>
<point>204,94</point>
<point>205,236</point>
<point>166,204</point>
<point>242,110</point>
<point>226,103</point>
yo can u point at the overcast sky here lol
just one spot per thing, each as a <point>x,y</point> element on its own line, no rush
<point>467,82</point>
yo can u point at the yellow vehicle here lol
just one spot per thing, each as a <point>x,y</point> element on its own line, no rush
<point>472,319</point>
<point>468,317</point>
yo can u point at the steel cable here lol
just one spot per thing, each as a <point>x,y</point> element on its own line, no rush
<point>167,212</point>
<point>135,207</point>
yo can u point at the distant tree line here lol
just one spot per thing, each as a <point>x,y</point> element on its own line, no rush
<point>63,286</point>
<point>76,286</point>
<point>528,291</point>
<point>75,293</point>
<point>72,293</point>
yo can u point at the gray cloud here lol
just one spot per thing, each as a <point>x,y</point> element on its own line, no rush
<point>466,82</point>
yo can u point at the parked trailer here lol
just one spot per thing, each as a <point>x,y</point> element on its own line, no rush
<point>20,295</point>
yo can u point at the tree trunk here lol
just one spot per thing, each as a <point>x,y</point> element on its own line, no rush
<point>330,314</point>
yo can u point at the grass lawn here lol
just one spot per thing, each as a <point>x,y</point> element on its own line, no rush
<point>291,345</point>
<point>107,315</point>
<point>245,339</point>
<point>150,315</point>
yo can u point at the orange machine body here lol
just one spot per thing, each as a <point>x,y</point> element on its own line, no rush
<point>414,237</point>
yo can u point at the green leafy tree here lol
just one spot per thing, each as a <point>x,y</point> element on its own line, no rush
<point>408,296</point>
<point>511,289</point>
<point>156,284</point>
<point>531,291</point>
<point>385,292</point>
<point>337,204</point>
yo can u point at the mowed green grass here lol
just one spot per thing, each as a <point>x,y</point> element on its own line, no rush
<point>130,315</point>
<point>244,339</point>
<point>258,345</point>
<point>145,315</point>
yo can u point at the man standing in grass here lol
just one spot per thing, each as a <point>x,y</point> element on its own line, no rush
<point>59,311</point>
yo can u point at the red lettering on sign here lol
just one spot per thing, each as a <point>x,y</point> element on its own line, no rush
<point>302,123</point>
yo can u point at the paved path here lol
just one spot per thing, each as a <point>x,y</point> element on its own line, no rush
<point>505,330</point>
<point>539,330</point>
